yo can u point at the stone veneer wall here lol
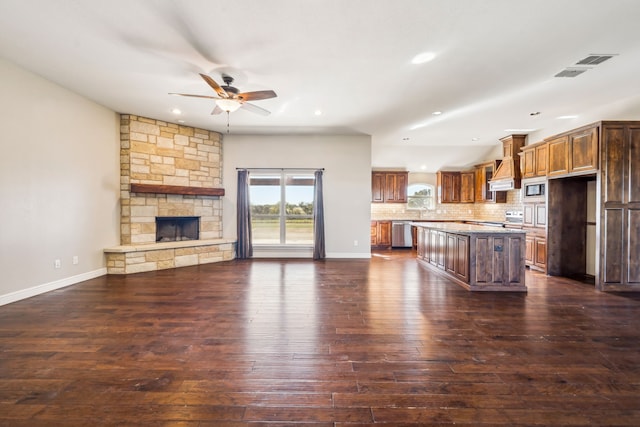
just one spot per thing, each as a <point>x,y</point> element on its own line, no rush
<point>156,152</point>
<point>161,153</point>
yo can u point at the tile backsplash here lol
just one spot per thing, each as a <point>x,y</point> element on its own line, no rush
<point>452,211</point>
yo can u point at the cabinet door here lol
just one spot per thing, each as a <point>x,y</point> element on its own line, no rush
<point>377,187</point>
<point>528,163</point>
<point>462,258</point>
<point>451,253</point>
<point>448,187</point>
<point>529,244</point>
<point>540,215</point>
<point>433,247</point>
<point>402,179</point>
<point>479,184</point>
<point>541,160</point>
<point>467,189</point>
<point>374,233</point>
<point>558,150</point>
<point>540,253</point>
<point>584,150</point>
<point>384,233</point>
<point>528,214</point>
<point>420,243</point>
<point>442,244</point>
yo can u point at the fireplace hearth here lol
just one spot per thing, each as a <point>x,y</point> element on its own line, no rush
<point>177,228</point>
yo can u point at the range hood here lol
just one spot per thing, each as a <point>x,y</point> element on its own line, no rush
<point>507,176</point>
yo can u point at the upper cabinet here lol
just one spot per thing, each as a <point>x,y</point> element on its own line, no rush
<point>389,187</point>
<point>483,174</point>
<point>448,184</point>
<point>533,160</point>
<point>573,153</point>
<point>467,187</point>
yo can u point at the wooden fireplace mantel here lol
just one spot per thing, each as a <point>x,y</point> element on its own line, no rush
<point>176,189</point>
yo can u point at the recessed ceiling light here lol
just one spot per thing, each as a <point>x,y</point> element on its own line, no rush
<point>180,121</point>
<point>475,139</point>
<point>318,112</point>
<point>519,130</point>
<point>176,111</point>
<point>437,113</point>
<point>423,57</point>
<point>423,167</point>
<point>574,116</point>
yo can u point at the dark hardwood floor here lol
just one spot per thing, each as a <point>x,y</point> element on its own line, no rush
<point>331,343</point>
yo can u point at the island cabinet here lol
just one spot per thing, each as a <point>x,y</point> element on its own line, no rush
<point>389,187</point>
<point>479,258</point>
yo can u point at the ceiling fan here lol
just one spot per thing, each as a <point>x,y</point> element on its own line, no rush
<point>229,99</point>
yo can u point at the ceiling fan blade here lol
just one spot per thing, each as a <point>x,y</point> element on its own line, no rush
<point>257,95</point>
<point>255,109</point>
<point>217,110</point>
<point>195,96</point>
<point>215,86</point>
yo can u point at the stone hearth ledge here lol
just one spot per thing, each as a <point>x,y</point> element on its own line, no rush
<point>127,259</point>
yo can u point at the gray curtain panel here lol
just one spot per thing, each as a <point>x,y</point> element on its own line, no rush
<point>318,218</point>
<point>244,247</point>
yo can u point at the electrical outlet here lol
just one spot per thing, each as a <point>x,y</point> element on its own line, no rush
<point>57,263</point>
<point>75,260</point>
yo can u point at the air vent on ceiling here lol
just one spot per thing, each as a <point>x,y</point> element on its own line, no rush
<point>571,72</point>
<point>585,64</point>
<point>594,59</point>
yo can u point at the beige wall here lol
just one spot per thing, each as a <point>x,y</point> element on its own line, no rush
<point>59,185</point>
<point>347,181</point>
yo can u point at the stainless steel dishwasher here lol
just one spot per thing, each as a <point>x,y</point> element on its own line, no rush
<point>401,234</point>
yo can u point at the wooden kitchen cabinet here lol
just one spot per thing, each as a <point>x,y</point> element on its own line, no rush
<point>381,234</point>
<point>389,187</point>
<point>484,173</point>
<point>467,187</point>
<point>573,153</point>
<point>534,222</point>
<point>558,150</point>
<point>448,187</point>
<point>533,160</point>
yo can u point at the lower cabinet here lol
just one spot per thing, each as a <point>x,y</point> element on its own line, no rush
<point>381,234</point>
<point>536,252</point>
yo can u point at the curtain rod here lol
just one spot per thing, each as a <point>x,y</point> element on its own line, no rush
<point>281,169</point>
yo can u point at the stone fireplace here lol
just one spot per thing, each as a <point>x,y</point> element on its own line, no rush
<point>168,171</point>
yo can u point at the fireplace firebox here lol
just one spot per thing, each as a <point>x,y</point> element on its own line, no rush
<point>177,228</point>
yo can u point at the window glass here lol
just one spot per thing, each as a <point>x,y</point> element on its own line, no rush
<point>281,208</point>
<point>420,196</point>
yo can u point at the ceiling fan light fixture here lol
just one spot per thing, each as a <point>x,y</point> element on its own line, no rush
<point>228,105</point>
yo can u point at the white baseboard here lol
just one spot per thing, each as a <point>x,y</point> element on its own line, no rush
<point>51,286</point>
<point>363,255</point>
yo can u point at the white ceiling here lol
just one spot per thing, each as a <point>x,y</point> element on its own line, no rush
<point>495,64</point>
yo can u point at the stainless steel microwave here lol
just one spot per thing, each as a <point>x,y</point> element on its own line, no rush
<point>533,189</point>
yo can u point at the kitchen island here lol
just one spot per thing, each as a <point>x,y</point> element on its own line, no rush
<point>477,257</point>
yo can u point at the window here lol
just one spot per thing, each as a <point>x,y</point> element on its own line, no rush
<point>281,208</point>
<point>420,196</point>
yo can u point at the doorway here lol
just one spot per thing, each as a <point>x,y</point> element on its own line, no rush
<point>571,228</point>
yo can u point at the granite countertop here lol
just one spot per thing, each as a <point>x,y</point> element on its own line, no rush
<point>460,228</point>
